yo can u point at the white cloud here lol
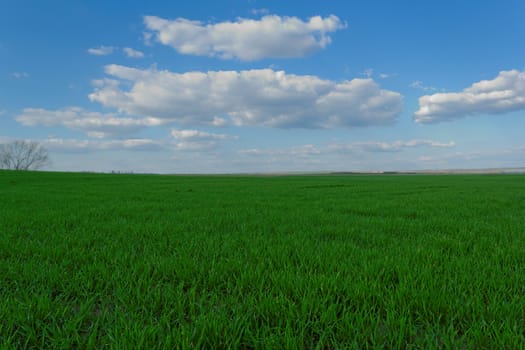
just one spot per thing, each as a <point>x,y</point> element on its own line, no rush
<point>148,36</point>
<point>94,124</point>
<point>353,147</point>
<point>195,140</point>
<point>198,135</point>
<point>503,94</point>
<point>385,75</point>
<point>418,84</point>
<point>368,72</point>
<point>261,11</point>
<point>295,151</point>
<point>195,146</point>
<point>190,141</point>
<point>20,75</point>
<point>132,53</point>
<point>396,146</point>
<point>75,145</point>
<point>342,156</point>
<point>442,158</point>
<point>254,97</point>
<point>245,39</point>
<point>101,50</point>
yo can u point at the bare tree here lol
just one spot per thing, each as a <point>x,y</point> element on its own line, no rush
<point>23,155</point>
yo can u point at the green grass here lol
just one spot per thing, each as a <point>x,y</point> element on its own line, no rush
<point>295,262</point>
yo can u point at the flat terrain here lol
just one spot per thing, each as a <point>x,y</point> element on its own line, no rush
<point>297,262</point>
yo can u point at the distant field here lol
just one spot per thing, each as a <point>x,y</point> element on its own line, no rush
<point>296,262</point>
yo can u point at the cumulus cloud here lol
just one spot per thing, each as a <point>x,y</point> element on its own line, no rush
<point>93,123</point>
<point>132,53</point>
<point>195,140</point>
<point>101,50</point>
<point>503,94</point>
<point>245,39</point>
<point>262,97</point>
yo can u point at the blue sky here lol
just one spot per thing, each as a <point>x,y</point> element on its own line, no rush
<point>265,86</point>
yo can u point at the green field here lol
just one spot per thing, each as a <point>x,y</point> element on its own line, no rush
<point>294,262</point>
